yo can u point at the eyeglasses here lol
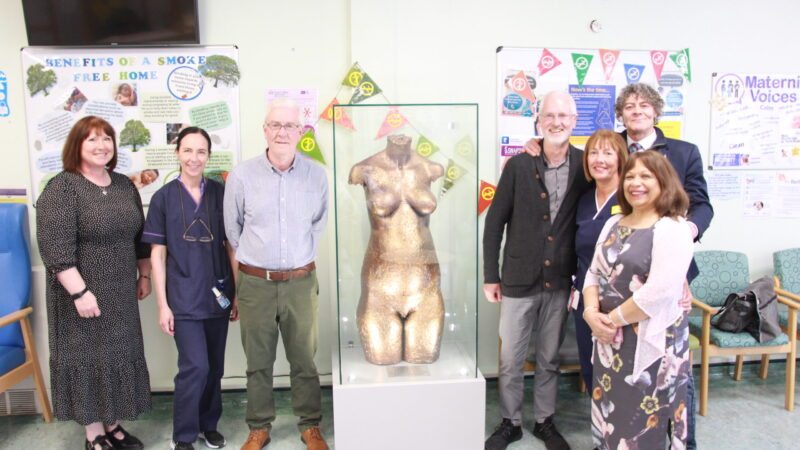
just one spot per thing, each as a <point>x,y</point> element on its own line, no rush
<point>549,117</point>
<point>186,236</point>
<point>289,126</point>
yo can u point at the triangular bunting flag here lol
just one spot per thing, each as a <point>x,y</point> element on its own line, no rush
<point>485,196</point>
<point>609,59</point>
<point>308,145</point>
<point>366,89</point>
<point>425,147</point>
<point>341,117</point>
<point>547,62</point>
<point>633,73</point>
<point>354,76</point>
<point>465,147</point>
<point>393,121</point>
<point>658,58</point>
<point>681,59</point>
<point>520,85</point>
<point>581,62</point>
<point>451,175</point>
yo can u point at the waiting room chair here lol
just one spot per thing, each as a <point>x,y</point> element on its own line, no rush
<point>787,280</point>
<point>722,273</point>
<point>18,358</point>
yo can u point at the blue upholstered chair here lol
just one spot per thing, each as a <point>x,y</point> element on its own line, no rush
<point>18,359</point>
<point>722,273</point>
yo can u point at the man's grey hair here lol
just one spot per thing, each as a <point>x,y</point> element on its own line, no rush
<point>283,102</point>
<point>642,91</point>
<point>572,106</point>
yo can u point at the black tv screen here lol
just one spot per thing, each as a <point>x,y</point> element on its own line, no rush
<point>103,22</point>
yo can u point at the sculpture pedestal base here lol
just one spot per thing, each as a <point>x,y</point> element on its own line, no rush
<point>420,415</point>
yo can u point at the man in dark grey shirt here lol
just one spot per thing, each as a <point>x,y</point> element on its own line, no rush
<point>534,205</point>
<point>276,206</point>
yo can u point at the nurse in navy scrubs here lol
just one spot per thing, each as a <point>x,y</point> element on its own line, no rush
<point>604,156</point>
<point>194,287</point>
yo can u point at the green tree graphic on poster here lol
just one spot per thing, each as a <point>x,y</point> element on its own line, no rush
<point>134,134</point>
<point>221,68</point>
<point>40,79</point>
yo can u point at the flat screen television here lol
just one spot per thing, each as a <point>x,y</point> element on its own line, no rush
<point>104,22</point>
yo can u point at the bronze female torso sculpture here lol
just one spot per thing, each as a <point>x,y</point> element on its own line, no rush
<point>401,312</point>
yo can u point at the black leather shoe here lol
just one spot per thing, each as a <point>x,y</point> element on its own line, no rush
<point>504,434</point>
<point>100,442</point>
<point>547,432</point>
<point>128,441</point>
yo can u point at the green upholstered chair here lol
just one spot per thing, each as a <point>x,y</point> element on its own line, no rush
<point>722,273</point>
<point>787,278</point>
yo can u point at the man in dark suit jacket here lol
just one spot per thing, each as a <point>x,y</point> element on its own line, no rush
<point>535,204</point>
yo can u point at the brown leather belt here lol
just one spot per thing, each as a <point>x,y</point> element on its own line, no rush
<point>277,275</point>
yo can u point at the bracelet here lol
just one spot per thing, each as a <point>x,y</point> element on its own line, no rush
<point>621,317</point>
<point>78,295</point>
<point>144,276</point>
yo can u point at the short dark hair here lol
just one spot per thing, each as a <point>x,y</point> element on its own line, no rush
<point>613,140</point>
<point>71,153</point>
<point>641,90</point>
<point>193,130</point>
<point>673,201</point>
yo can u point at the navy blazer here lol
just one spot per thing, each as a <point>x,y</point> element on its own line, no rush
<point>685,158</point>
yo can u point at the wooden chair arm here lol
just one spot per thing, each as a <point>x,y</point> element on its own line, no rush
<point>789,299</point>
<point>705,308</point>
<point>16,316</point>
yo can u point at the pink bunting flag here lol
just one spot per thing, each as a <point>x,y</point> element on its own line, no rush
<point>609,59</point>
<point>547,62</point>
<point>520,85</point>
<point>658,58</point>
<point>393,121</point>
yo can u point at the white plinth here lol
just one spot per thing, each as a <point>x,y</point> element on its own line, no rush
<point>419,415</point>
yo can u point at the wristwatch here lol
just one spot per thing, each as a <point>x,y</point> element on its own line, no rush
<point>79,294</point>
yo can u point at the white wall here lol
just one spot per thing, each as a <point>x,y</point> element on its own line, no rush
<point>444,51</point>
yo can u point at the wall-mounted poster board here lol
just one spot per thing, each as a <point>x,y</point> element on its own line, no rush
<point>593,77</point>
<point>755,121</point>
<point>148,94</point>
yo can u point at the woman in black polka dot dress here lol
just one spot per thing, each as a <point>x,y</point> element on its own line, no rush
<point>89,223</point>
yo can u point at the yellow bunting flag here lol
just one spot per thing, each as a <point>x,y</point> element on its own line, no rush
<point>341,117</point>
<point>425,147</point>
<point>464,147</point>
<point>308,145</point>
<point>393,121</point>
<point>452,174</point>
<point>354,76</point>
<point>366,89</point>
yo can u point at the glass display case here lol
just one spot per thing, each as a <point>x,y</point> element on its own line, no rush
<point>406,194</point>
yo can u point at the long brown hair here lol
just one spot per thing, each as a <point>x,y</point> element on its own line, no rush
<point>71,153</point>
<point>673,201</point>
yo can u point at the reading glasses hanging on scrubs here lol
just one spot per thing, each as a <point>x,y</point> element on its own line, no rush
<point>186,236</point>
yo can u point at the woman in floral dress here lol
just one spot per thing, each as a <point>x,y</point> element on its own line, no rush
<point>632,296</point>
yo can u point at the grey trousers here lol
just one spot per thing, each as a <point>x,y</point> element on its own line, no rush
<point>544,314</point>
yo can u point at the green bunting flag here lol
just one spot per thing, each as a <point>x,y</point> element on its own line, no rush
<point>452,174</point>
<point>425,147</point>
<point>308,145</point>
<point>681,59</point>
<point>581,62</point>
<point>366,89</point>
<point>354,76</point>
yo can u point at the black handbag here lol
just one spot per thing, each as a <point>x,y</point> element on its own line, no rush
<point>737,314</point>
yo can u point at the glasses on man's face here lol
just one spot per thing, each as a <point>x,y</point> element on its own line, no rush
<point>288,126</point>
<point>550,117</point>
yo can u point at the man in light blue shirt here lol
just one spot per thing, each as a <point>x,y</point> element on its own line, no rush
<point>276,207</point>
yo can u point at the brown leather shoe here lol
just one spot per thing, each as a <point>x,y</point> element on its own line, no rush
<point>256,440</point>
<point>313,439</point>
